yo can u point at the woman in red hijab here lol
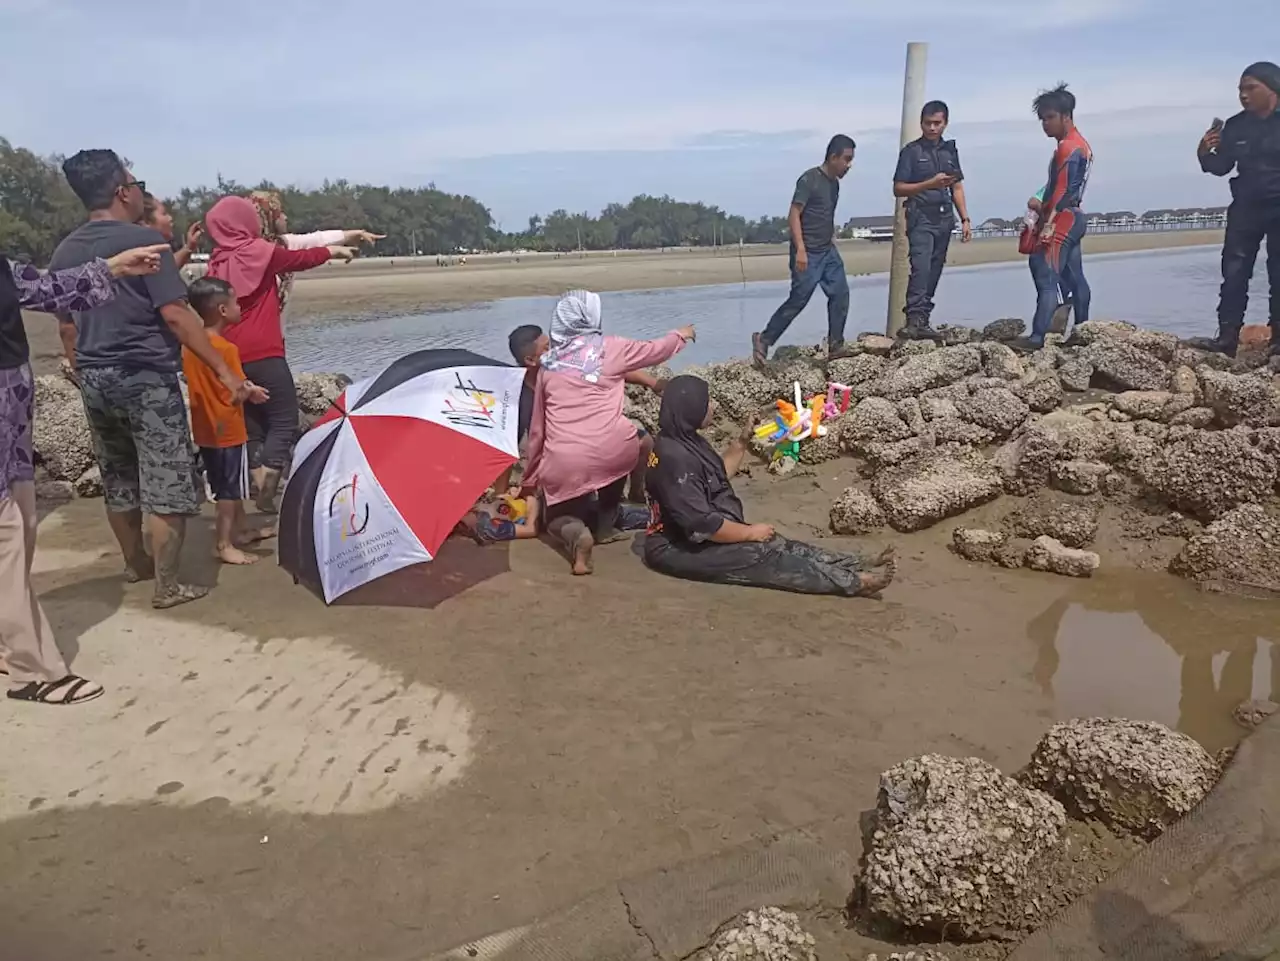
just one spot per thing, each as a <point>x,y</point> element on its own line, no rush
<point>252,265</point>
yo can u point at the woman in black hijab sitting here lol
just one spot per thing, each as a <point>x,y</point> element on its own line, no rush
<point>698,531</point>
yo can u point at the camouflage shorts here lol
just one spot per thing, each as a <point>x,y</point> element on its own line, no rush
<point>140,437</point>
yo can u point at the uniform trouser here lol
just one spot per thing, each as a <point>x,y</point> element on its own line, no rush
<point>825,270</point>
<point>1247,225</point>
<point>1059,266</point>
<point>928,239</point>
<point>780,563</point>
<point>26,640</point>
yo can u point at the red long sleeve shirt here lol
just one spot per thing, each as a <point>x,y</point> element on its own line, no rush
<point>260,333</point>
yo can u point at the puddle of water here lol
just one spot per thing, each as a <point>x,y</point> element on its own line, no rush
<point>1149,647</point>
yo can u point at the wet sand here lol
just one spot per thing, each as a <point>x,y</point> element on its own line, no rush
<point>563,731</point>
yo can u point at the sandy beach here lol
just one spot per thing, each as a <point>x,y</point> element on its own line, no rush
<point>384,286</point>
<point>468,744</point>
<point>377,286</point>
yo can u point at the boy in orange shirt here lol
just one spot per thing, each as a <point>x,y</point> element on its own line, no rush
<point>217,422</point>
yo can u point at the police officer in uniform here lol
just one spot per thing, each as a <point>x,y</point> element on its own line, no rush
<point>930,178</point>
<point>1249,144</point>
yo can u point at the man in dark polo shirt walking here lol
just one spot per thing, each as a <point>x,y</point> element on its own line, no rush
<point>128,354</point>
<point>930,178</point>
<point>815,261</point>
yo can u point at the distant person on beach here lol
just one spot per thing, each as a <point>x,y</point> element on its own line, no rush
<point>218,423</point>
<point>930,178</point>
<point>1057,263</point>
<point>815,260</point>
<point>698,530</point>
<point>128,354</point>
<point>581,446</point>
<point>1248,143</point>
<point>253,266</point>
<point>29,657</point>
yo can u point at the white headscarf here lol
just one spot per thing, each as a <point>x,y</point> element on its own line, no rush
<point>577,336</point>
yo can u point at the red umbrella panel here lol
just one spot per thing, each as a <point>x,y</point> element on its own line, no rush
<point>382,479</point>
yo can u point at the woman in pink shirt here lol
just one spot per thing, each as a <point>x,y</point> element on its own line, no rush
<point>581,447</point>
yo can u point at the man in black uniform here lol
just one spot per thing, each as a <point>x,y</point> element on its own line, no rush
<point>930,178</point>
<point>1250,143</point>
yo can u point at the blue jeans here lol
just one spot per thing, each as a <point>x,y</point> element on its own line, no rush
<point>1060,267</point>
<point>826,270</point>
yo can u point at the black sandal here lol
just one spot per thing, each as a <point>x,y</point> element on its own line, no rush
<point>759,352</point>
<point>74,690</point>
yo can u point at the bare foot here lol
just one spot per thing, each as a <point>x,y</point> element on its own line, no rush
<point>582,554</point>
<point>177,594</point>
<point>233,555</point>
<point>885,557</point>
<point>609,535</point>
<point>873,584</point>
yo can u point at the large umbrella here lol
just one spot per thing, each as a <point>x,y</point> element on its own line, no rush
<point>384,476</point>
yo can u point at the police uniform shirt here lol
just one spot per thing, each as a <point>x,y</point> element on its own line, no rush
<point>919,161</point>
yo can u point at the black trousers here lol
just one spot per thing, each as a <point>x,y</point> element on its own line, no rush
<point>273,426</point>
<point>781,564</point>
<point>598,510</point>
<point>1247,225</point>
<point>928,237</point>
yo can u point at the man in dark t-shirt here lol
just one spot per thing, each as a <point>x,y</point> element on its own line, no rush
<point>815,260</point>
<point>128,354</point>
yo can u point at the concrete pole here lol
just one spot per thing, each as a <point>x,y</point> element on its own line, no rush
<point>913,86</point>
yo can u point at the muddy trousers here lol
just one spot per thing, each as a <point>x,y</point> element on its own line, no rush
<point>26,640</point>
<point>1247,225</point>
<point>780,564</point>
<point>597,510</point>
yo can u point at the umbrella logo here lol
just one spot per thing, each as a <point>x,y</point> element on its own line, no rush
<point>467,405</point>
<point>352,508</point>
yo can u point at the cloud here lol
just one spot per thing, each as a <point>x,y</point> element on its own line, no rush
<point>533,107</point>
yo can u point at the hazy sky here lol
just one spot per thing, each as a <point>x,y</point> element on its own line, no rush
<point>575,103</point>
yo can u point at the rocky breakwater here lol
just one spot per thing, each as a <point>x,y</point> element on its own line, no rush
<point>1115,417</point>
<point>65,465</point>
<point>960,851</point>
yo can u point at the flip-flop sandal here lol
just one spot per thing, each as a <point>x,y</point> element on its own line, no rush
<point>181,594</point>
<point>73,690</point>
<point>759,351</point>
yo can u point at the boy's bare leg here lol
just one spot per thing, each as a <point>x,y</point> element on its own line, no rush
<point>227,523</point>
<point>166,533</point>
<point>127,527</point>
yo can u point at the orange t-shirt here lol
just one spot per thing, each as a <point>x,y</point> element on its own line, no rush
<point>215,421</point>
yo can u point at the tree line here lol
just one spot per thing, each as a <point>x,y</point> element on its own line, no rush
<point>37,209</point>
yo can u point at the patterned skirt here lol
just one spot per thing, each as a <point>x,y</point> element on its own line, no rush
<point>17,403</point>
